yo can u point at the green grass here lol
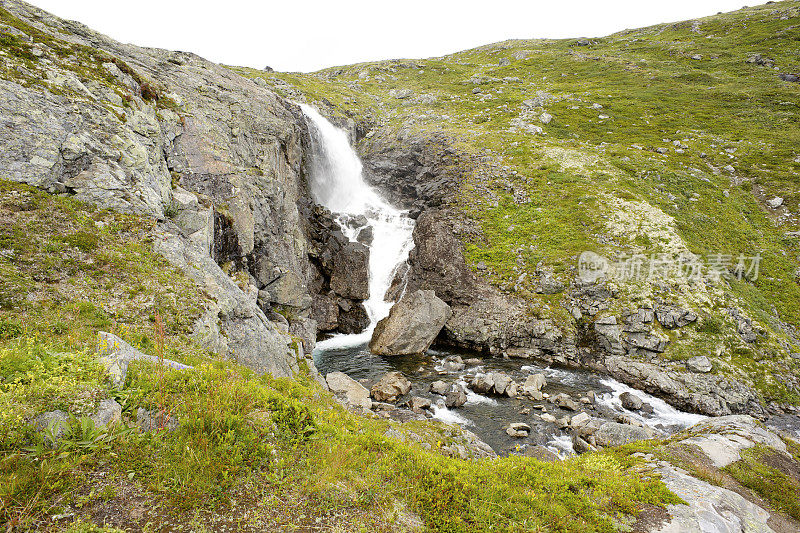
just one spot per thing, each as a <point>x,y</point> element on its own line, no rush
<point>781,490</point>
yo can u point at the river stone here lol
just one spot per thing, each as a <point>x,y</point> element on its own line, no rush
<point>533,384</point>
<point>518,430</point>
<point>565,402</point>
<point>456,396</point>
<point>700,363</point>
<point>353,392</point>
<point>412,325</point>
<point>439,387</point>
<point>390,387</point>
<point>579,420</point>
<point>419,404</point>
<point>615,434</point>
<point>482,383</point>
<point>630,401</point>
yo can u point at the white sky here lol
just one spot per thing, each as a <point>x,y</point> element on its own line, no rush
<point>304,35</point>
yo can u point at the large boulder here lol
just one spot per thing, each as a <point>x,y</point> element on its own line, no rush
<point>390,387</point>
<point>412,325</point>
<point>615,434</point>
<point>348,390</point>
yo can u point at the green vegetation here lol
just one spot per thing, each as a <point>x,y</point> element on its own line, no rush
<point>757,471</point>
<point>594,180</point>
<point>250,452</point>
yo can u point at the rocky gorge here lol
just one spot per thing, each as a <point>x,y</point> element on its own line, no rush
<point>487,323</point>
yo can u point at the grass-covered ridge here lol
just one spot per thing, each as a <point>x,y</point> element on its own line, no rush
<point>706,93</point>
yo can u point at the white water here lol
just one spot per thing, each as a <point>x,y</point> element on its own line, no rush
<point>663,413</point>
<point>337,183</point>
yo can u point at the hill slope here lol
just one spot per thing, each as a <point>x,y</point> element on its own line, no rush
<point>662,147</point>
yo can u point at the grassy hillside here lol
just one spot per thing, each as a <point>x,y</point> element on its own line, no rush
<point>663,140</point>
<point>249,453</point>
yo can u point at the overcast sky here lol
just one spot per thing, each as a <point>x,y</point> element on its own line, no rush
<point>302,35</point>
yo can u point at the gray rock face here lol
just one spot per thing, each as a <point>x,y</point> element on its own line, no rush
<point>672,317</point>
<point>349,391</point>
<point>609,333</point>
<point>710,509</point>
<point>390,387</point>
<point>699,363</point>
<point>722,439</point>
<point>412,325</point>
<point>614,434</point>
<point>232,150</point>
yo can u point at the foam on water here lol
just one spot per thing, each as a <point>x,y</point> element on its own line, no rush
<point>440,412</point>
<point>663,413</point>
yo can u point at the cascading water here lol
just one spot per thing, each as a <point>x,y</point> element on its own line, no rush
<point>337,182</point>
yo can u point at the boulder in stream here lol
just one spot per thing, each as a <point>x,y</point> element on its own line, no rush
<point>390,387</point>
<point>412,325</point>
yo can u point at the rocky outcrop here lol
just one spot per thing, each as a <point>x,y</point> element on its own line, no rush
<point>115,355</point>
<point>338,277</point>
<point>348,391</point>
<point>412,325</point>
<point>708,394</point>
<point>215,157</point>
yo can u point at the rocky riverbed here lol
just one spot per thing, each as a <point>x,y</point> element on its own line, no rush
<point>551,404</point>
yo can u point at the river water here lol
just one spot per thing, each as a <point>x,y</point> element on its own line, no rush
<point>336,182</point>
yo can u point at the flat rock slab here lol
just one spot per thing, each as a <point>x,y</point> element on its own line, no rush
<point>722,439</point>
<point>352,392</point>
<point>710,509</point>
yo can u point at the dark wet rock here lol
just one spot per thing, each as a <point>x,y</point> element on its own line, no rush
<point>354,320</point>
<point>390,387</point>
<point>456,396</point>
<point>630,401</point>
<point>412,325</point>
<point>350,276</point>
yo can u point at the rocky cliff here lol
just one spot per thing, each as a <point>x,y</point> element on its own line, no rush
<point>215,158</point>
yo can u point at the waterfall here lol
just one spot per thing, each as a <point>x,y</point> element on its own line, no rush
<point>336,182</point>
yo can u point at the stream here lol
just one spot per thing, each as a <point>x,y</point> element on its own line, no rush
<point>336,182</point>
